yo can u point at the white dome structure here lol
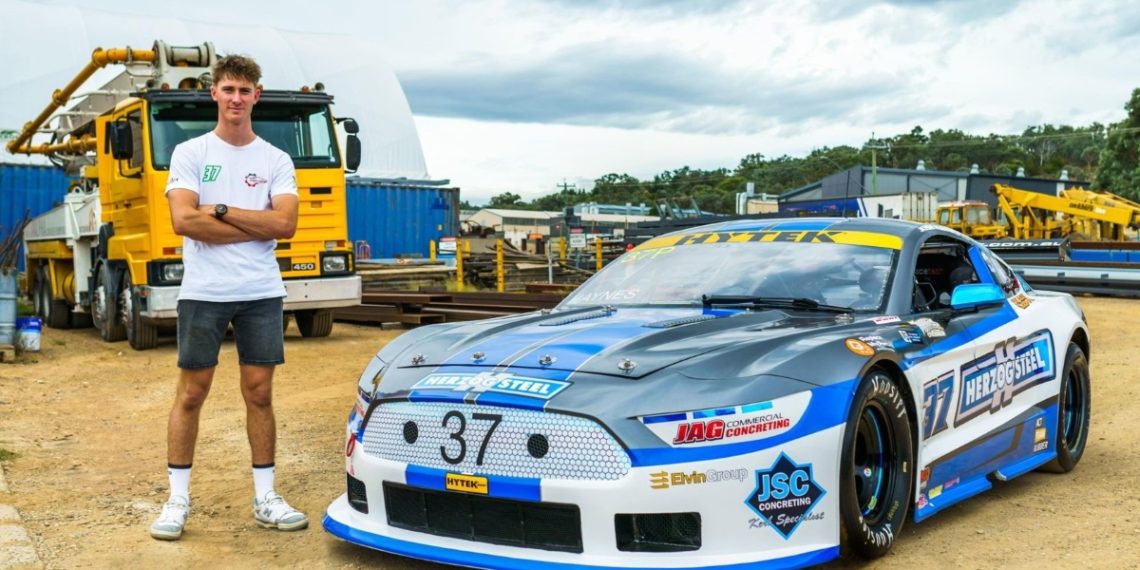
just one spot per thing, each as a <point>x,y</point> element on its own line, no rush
<point>48,44</point>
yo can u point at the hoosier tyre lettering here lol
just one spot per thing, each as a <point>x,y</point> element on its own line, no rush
<point>876,471</point>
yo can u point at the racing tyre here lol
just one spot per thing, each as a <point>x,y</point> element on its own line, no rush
<point>876,469</point>
<point>1074,406</point>
<point>104,306</point>
<point>314,322</point>
<point>141,334</point>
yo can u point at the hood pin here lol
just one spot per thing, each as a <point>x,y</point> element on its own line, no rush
<point>478,357</point>
<point>546,360</point>
<point>626,365</point>
<point>418,360</point>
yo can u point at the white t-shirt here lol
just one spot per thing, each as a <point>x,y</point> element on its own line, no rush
<point>243,176</point>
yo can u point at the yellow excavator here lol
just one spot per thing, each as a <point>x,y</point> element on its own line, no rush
<point>1078,213</point>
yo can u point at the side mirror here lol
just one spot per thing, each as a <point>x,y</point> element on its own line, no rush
<point>120,140</point>
<point>350,125</point>
<point>976,296</point>
<point>352,153</point>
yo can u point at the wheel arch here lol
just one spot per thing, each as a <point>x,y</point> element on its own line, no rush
<point>1081,337</point>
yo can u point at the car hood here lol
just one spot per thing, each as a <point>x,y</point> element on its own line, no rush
<point>626,342</point>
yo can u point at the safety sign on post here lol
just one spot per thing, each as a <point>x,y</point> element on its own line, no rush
<point>577,238</point>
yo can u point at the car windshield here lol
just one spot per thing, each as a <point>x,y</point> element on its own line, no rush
<point>851,271</point>
<point>303,130</point>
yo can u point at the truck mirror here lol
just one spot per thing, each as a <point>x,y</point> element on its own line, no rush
<point>350,126</point>
<point>120,140</point>
<point>352,153</point>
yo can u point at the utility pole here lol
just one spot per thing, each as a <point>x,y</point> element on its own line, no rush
<point>564,186</point>
<point>874,164</point>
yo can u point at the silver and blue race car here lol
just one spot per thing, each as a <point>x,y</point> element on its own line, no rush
<point>748,394</point>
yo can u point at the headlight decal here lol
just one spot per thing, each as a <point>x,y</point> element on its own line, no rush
<point>750,422</point>
<point>826,407</point>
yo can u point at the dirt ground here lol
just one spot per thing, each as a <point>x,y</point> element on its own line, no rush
<point>86,421</point>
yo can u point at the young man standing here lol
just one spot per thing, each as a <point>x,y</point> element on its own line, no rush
<point>231,196</point>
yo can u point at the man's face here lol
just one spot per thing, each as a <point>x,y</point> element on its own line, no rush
<point>236,98</point>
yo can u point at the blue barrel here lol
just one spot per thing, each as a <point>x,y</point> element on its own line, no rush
<point>8,291</point>
<point>28,331</point>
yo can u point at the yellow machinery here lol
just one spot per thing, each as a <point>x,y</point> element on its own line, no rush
<point>1078,213</point>
<point>109,256</point>
<point>970,217</point>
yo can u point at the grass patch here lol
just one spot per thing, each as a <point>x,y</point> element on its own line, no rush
<point>6,455</point>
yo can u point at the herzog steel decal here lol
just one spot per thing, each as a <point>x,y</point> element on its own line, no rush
<point>989,383</point>
<point>503,383</point>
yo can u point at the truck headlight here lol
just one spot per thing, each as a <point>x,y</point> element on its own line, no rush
<point>334,263</point>
<point>172,272</point>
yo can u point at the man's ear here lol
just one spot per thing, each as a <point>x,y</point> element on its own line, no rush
<point>214,92</point>
<point>256,94</point>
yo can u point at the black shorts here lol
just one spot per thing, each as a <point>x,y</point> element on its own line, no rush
<point>258,332</point>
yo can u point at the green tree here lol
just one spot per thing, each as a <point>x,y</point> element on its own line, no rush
<point>508,200</point>
<point>1119,168</point>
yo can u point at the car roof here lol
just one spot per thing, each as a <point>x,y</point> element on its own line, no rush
<point>900,228</point>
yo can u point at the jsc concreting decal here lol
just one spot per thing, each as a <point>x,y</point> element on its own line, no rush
<point>785,495</point>
<point>990,383</point>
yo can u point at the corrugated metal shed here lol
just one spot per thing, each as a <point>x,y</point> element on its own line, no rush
<point>30,189</point>
<point>398,219</point>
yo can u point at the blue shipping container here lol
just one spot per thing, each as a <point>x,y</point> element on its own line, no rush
<point>399,220</point>
<point>28,189</point>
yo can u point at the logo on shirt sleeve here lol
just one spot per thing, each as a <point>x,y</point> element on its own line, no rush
<point>252,180</point>
<point>210,174</point>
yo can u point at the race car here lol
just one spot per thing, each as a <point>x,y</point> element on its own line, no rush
<point>747,394</point>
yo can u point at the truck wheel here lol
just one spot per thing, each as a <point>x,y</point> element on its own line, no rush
<point>141,334</point>
<point>314,322</point>
<point>54,312</point>
<point>104,306</point>
<point>1073,411</point>
<point>876,473</point>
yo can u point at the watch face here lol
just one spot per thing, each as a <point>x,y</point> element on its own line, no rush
<point>220,210</point>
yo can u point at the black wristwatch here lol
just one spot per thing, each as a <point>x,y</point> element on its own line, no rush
<point>220,211</point>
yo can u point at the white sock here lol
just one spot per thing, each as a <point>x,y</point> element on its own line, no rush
<point>262,480</point>
<point>179,476</point>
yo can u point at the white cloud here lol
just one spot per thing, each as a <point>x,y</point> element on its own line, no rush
<point>516,96</point>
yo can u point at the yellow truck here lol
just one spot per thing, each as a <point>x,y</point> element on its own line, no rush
<point>970,217</point>
<point>108,254</point>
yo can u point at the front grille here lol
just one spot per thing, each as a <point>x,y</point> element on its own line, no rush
<point>525,443</point>
<point>658,532</point>
<point>547,526</point>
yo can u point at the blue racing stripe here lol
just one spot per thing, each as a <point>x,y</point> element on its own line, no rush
<point>755,407</point>
<point>828,408</point>
<point>1001,317</point>
<point>510,401</point>
<point>664,419</point>
<point>425,478</point>
<point>518,488</point>
<point>713,413</point>
<point>475,559</point>
<point>436,396</point>
<point>797,225</point>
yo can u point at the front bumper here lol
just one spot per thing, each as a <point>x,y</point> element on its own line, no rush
<point>732,535</point>
<point>318,293</point>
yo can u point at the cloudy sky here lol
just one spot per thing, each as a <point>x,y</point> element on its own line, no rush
<point>518,96</point>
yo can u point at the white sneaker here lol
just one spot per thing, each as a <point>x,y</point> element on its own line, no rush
<point>170,521</point>
<point>274,512</point>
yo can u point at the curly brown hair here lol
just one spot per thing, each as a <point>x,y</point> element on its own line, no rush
<point>237,67</point>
